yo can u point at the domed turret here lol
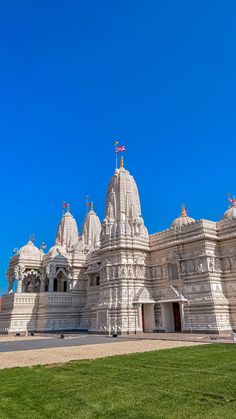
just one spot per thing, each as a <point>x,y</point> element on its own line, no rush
<point>56,250</point>
<point>67,232</point>
<point>29,250</point>
<point>230,214</point>
<point>183,219</point>
<point>123,211</point>
<point>91,229</point>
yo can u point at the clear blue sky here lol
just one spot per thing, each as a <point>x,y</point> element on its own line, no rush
<point>75,75</point>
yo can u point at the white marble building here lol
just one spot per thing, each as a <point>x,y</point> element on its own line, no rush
<point>118,279</point>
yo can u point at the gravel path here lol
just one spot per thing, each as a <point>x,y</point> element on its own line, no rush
<point>62,355</point>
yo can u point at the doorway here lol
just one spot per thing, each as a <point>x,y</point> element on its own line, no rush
<point>171,315</point>
<point>177,317</point>
<point>55,285</point>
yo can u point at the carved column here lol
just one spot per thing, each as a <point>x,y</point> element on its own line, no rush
<point>10,280</point>
<point>42,284</point>
<point>51,273</point>
<point>19,286</point>
<point>50,286</point>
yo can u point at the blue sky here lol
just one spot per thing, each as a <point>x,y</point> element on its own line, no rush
<point>159,76</point>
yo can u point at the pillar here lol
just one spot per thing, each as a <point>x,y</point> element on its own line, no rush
<point>19,286</point>
<point>50,285</point>
<point>42,285</point>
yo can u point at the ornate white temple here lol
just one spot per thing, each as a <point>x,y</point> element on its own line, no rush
<point>116,278</point>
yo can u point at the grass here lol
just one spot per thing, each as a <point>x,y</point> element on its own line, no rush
<point>194,382</point>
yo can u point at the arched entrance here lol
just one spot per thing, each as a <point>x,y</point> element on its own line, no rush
<point>60,283</point>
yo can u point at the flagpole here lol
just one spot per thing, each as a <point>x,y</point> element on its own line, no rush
<point>115,144</point>
<point>86,202</point>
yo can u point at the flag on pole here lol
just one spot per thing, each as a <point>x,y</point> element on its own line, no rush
<point>65,205</point>
<point>120,148</point>
<point>230,200</point>
<point>86,200</point>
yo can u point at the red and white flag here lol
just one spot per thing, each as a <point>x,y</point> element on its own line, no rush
<point>65,205</point>
<point>120,148</point>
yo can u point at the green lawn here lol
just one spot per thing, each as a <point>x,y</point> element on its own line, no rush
<point>195,382</point>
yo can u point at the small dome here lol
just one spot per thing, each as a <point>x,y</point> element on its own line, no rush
<point>183,219</point>
<point>29,250</point>
<point>230,214</point>
<point>57,249</point>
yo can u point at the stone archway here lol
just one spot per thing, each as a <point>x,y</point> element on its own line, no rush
<point>60,282</point>
<point>145,306</point>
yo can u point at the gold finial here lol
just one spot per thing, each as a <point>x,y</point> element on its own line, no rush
<point>91,206</point>
<point>122,161</point>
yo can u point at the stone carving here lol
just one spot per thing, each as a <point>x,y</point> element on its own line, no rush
<point>51,271</point>
<point>19,272</point>
<point>199,265</point>
<point>217,264</point>
<point>233,262</point>
<point>130,271</point>
<point>182,267</point>
<point>227,264</point>
<point>211,264</point>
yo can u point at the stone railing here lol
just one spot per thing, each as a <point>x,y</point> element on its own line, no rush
<point>59,298</point>
<point>25,299</point>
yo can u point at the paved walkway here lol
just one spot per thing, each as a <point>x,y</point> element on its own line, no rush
<point>50,349</point>
<point>58,355</point>
<point>26,343</point>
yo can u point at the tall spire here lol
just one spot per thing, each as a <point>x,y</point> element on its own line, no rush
<point>123,211</point>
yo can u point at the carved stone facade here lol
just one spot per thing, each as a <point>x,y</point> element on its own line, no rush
<point>115,278</point>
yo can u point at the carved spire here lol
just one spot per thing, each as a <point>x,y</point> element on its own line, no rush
<point>67,232</point>
<point>123,211</point>
<point>91,229</point>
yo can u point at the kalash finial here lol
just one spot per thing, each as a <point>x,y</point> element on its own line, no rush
<point>231,200</point>
<point>183,210</point>
<point>122,161</point>
<point>91,206</point>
